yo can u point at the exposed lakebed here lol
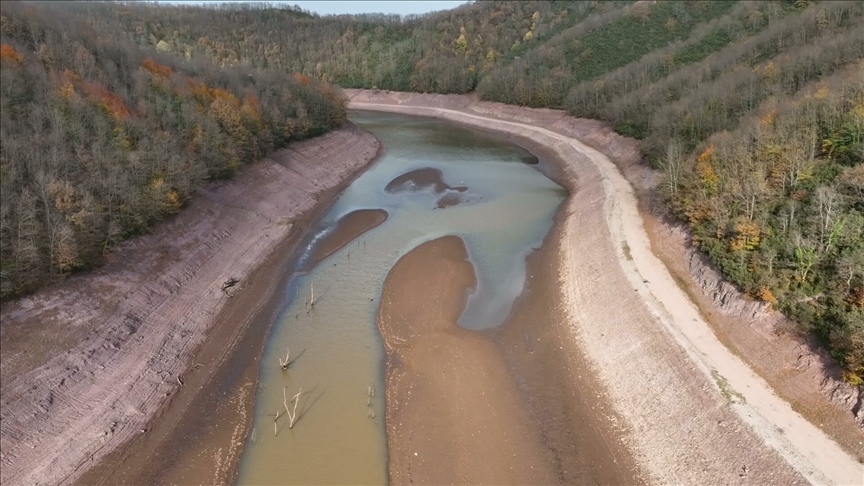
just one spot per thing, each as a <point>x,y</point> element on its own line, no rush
<point>435,179</point>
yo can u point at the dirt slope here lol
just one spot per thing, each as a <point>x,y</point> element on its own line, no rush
<point>86,364</point>
<point>695,412</point>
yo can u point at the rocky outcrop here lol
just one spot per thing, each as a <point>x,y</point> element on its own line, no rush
<point>846,397</point>
<point>858,410</point>
<point>728,300</point>
<point>725,296</point>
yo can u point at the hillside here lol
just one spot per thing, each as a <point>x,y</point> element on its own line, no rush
<point>754,111</point>
<point>102,138</point>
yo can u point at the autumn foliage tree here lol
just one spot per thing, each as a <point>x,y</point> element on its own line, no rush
<point>778,205</point>
<point>751,110</point>
<point>103,138</point>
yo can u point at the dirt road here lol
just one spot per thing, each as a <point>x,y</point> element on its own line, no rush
<point>695,412</point>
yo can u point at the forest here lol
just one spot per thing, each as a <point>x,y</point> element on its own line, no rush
<point>102,138</point>
<point>752,110</point>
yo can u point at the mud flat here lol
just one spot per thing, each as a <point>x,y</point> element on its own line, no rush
<point>692,411</point>
<point>419,180</point>
<point>449,200</point>
<point>453,414</point>
<point>583,437</point>
<point>87,365</point>
<point>344,231</point>
<point>455,397</point>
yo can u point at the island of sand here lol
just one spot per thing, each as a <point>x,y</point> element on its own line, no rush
<point>347,229</point>
<point>450,400</point>
<point>429,179</point>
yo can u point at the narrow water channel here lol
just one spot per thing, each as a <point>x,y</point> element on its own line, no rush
<point>492,196</point>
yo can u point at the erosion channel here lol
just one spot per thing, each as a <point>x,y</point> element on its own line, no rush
<point>438,248</point>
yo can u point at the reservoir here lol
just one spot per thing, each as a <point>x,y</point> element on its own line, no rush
<point>434,179</point>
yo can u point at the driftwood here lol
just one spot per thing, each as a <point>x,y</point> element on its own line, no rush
<point>284,363</point>
<point>310,303</point>
<point>292,414</point>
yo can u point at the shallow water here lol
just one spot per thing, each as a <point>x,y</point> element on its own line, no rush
<point>338,351</point>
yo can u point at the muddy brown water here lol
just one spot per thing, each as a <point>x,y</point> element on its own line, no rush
<point>477,186</point>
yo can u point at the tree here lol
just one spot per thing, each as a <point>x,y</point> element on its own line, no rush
<point>672,167</point>
<point>103,138</point>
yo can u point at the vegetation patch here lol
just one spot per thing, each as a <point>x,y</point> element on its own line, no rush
<point>625,248</point>
<point>103,138</point>
<point>728,393</point>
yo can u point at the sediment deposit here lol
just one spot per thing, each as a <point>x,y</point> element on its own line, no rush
<point>453,414</point>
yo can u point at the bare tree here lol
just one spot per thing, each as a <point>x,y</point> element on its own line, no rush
<point>284,363</point>
<point>292,413</point>
<point>672,167</point>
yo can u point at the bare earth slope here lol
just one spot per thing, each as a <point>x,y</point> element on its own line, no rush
<point>695,412</point>
<point>86,364</point>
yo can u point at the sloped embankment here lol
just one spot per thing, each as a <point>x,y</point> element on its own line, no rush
<point>86,364</point>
